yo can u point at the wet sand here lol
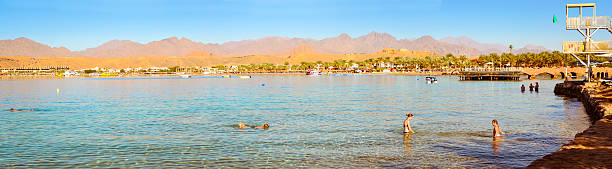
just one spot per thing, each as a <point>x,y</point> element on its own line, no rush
<point>593,147</point>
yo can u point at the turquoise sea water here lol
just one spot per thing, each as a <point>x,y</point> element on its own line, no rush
<point>319,122</point>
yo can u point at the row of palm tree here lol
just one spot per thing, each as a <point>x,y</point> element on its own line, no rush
<point>543,59</point>
<point>449,61</point>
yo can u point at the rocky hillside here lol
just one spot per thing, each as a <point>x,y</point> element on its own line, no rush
<point>342,44</point>
<point>30,48</point>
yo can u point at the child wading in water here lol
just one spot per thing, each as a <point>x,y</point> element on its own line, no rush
<point>496,131</point>
<point>407,128</point>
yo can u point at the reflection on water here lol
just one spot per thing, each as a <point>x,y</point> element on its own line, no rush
<point>407,143</point>
<point>320,122</point>
<point>495,144</point>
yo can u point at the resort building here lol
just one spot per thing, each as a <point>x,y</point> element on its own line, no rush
<point>35,69</point>
<point>157,69</point>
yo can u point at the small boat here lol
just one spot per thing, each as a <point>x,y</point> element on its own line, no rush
<point>185,76</point>
<point>244,77</point>
<point>431,79</point>
<point>313,73</point>
<point>225,76</point>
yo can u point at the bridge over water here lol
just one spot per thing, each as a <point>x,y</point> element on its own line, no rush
<point>518,73</point>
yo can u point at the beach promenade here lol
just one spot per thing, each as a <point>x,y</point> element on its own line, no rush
<point>593,147</point>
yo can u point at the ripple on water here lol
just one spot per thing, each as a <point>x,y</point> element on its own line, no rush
<point>324,122</point>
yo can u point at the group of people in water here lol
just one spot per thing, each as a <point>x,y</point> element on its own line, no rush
<point>497,132</point>
<point>531,87</point>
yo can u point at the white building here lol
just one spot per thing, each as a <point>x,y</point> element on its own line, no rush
<point>157,69</point>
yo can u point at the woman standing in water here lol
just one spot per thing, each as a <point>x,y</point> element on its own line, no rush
<point>496,130</point>
<point>407,128</point>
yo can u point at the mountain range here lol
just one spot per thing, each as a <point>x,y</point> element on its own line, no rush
<point>342,44</point>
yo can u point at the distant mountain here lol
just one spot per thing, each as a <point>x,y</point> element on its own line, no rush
<point>111,48</point>
<point>342,44</point>
<point>30,48</point>
<point>198,53</point>
<point>484,48</point>
<point>428,43</point>
<point>300,49</point>
<point>266,45</point>
<point>125,48</point>
<point>531,49</point>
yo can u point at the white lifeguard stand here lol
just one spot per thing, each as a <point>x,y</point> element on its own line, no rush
<point>587,26</point>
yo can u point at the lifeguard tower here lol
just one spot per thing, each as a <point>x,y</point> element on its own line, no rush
<point>587,26</point>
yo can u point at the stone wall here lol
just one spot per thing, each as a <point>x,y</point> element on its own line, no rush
<point>593,147</point>
<point>594,105</point>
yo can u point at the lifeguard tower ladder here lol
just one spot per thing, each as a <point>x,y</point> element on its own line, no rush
<point>587,26</point>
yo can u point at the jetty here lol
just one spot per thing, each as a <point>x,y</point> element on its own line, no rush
<point>492,74</point>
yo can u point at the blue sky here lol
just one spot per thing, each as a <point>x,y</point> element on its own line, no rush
<point>80,24</point>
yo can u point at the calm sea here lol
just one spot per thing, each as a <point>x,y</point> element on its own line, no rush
<point>321,122</point>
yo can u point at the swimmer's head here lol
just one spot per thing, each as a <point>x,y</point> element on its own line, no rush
<point>241,125</point>
<point>12,109</point>
<point>409,115</point>
<point>494,122</point>
<point>266,126</point>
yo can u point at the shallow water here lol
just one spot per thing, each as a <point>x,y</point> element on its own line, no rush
<point>322,122</point>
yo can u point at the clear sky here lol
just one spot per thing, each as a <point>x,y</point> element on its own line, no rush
<point>80,24</point>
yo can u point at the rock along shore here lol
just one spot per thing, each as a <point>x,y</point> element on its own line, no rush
<point>593,147</point>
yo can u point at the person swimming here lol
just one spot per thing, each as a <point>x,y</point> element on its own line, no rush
<point>496,130</point>
<point>12,109</point>
<point>265,126</point>
<point>407,128</point>
<point>242,125</point>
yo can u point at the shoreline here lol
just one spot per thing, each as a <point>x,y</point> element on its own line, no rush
<point>53,77</point>
<point>591,148</point>
<point>534,72</point>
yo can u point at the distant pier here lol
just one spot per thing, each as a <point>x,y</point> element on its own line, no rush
<point>492,74</point>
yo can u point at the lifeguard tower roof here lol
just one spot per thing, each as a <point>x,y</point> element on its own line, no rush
<point>580,5</point>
